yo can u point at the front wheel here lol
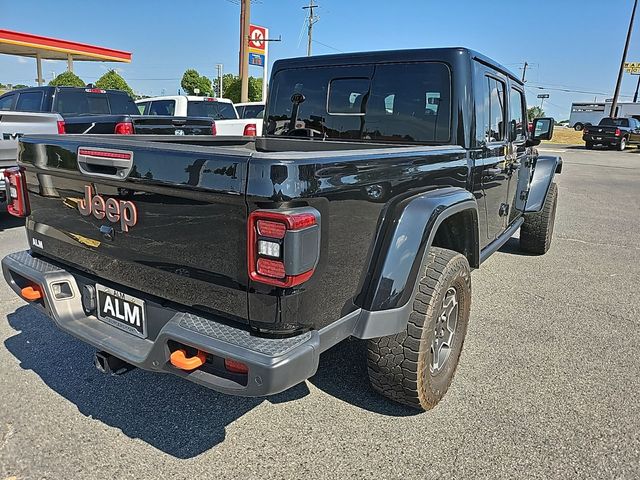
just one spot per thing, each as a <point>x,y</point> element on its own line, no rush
<point>588,145</point>
<point>416,366</point>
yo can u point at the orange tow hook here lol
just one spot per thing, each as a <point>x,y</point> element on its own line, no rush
<point>180,360</point>
<point>31,293</point>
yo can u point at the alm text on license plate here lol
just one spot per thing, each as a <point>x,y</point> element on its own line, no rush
<point>121,310</point>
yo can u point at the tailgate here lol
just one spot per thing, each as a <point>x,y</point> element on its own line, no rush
<point>161,125</point>
<point>166,219</point>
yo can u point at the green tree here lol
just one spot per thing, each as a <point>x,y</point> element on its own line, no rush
<point>534,112</point>
<point>191,80</point>
<point>232,87</point>
<point>20,85</point>
<point>112,80</point>
<point>67,79</point>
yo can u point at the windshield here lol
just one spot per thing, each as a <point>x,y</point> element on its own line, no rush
<point>213,109</point>
<point>403,102</point>
<point>81,102</point>
<point>615,122</point>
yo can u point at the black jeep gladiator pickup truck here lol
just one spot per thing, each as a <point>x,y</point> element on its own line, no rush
<point>381,180</point>
<point>614,132</point>
<point>98,111</point>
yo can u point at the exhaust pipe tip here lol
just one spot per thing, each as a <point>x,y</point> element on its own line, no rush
<point>111,365</point>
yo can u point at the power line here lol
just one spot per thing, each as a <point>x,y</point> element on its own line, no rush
<point>328,46</point>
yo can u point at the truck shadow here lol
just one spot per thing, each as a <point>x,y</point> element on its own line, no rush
<point>177,417</point>
<point>8,221</point>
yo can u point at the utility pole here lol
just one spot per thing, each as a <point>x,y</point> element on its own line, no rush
<point>219,67</point>
<point>245,14</point>
<point>635,95</point>
<point>311,20</point>
<point>524,71</point>
<point>614,103</point>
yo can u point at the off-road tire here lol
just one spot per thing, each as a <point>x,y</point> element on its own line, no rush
<point>400,365</point>
<point>536,232</point>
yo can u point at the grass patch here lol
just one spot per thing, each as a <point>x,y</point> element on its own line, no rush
<point>567,136</point>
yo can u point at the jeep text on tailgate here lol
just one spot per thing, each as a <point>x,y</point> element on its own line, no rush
<point>381,181</point>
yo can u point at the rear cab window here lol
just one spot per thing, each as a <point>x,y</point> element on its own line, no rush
<point>93,101</point>
<point>250,111</point>
<point>162,107</point>
<point>211,108</point>
<point>399,102</point>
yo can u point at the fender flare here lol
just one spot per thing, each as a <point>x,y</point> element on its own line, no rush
<point>386,303</point>
<point>546,167</point>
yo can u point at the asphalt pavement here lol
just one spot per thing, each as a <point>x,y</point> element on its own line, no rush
<point>548,384</point>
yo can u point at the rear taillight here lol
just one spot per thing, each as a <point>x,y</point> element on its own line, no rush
<point>283,247</point>
<point>618,132</point>
<point>124,128</point>
<point>17,200</point>
<point>61,127</point>
<point>250,130</point>
<point>214,131</point>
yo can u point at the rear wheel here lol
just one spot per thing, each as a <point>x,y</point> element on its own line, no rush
<point>622,145</point>
<point>537,230</point>
<point>416,366</point>
<point>578,127</point>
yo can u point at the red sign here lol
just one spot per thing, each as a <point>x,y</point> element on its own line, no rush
<point>257,35</point>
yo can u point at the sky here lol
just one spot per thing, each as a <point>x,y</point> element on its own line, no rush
<point>571,45</point>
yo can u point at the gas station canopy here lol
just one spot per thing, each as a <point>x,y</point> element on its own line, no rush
<point>38,47</point>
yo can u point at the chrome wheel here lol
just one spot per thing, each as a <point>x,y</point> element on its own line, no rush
<point>444,331</point>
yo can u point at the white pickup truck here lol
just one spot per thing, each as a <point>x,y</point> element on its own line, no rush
<point>222,110</point>
<point>12,126</point>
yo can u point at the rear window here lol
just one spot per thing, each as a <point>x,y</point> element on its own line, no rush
<point>29,102</point>
<point>79,102</point>
<point>615,122</point>
<point>163,107</point>
<point>251,111</point>
<point>213,109</point>
<point>404,102</point>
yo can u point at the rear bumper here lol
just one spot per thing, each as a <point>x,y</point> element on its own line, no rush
<point>274,365</point>
<point>610,140</point>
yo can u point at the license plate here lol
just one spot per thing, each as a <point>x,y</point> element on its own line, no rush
<point>178,132</point>
<point>122,311</point>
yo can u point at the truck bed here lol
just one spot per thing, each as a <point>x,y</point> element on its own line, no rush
<point>188,245</point>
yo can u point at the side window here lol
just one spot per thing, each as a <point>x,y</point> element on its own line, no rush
<point>6,102</point>
<point>495,131</point>
<point>347,96</point>
<point>141,106</point>
<point>162,107</point>
<point>517,114</point>
<point>29,102</point>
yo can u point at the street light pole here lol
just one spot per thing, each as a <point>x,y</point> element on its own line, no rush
<point>614,103</point>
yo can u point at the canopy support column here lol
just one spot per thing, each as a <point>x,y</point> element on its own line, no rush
<point>40,80</point>
<point>69,63</point>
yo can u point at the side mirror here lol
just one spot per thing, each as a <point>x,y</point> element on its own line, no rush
<point>543,128</point>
